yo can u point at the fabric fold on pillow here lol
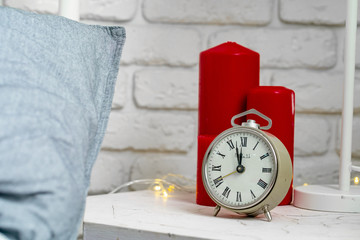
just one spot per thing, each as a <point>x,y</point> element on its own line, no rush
<point>57,79</point>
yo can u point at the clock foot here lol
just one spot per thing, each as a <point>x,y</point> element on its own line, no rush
<point>267,213</point>
<point>217,210</point>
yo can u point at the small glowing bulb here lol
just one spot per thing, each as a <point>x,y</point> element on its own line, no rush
<point>356,180</point>
<point>165,194</point>
<point>171,188</point>
<point>157,188</point>
<point>305,184</point>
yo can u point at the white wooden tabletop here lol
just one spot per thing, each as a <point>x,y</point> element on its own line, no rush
<point>146,215</point>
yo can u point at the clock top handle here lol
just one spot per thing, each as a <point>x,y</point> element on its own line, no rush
<point>252,111</point>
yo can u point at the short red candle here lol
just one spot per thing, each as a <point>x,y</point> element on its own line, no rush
<point>277,103</point>
<point>227,73</point>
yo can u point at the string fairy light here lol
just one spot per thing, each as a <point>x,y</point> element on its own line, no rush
<point>164,186</point>
<point>356,180</point>
<point>157,188</point>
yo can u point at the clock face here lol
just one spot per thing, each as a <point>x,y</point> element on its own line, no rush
<point>240,168</point>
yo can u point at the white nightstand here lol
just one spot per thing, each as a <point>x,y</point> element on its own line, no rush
<point>146,215</point>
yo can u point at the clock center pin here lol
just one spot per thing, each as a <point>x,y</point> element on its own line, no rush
<point>240,169</point>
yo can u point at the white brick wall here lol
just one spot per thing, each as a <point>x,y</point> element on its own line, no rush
<point>161,45</point>
<point>321,12</point>
<point>156,89</point>
<point>312,135</point>
<point>285,48</point>
<point>316,91</point>
<point>40,6</point>
<point>248,12</point>
<point>150,131</point>
<point>153,125</point>
<point>119,10</point>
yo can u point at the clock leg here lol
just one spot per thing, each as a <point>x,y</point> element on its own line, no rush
<point>217,210</point>
<point>267,213</point>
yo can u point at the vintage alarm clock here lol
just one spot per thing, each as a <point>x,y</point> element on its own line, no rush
<point>247,170</point>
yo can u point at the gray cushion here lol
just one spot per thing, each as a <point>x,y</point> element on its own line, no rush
<point>57,81</point>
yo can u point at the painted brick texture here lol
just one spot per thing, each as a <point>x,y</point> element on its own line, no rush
<point>153,125</point>
<point>157,88</point>
<point>150,131</point>
<point>326,12</point>
<point>283,48</point>
<point>248,12</point>
<point>161,45</point>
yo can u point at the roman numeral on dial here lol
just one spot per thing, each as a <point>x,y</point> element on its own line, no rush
<point>231,144</point>
<point>264,156</point>
<point>216,168</point>
<point>218,181</point>
<point>252,194</point>
<point>266,170</point>
<point>256,145</point>
<point>262,184</point>
<point>238,197</point>
<point>243,141</point>
<point>220,154</point>
<point>226,192</point>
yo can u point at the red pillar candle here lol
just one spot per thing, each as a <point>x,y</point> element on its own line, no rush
<point>227,73</point>
<point>277,103</point>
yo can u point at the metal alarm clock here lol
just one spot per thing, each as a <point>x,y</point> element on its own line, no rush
<point>247,170</point>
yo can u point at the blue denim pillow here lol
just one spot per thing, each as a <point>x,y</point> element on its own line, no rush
<point>57,81</point>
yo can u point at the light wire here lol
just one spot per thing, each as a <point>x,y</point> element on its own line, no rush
<point>167,183</point>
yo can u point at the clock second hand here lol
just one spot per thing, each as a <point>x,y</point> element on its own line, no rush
<point>229,174</point>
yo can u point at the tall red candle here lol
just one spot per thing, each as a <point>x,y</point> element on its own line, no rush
<point>227,73</point>
<point>277,103</point>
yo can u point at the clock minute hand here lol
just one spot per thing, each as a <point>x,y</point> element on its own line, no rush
<point>238,156</point>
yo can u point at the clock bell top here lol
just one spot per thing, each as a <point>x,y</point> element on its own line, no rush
<point>250,123</point>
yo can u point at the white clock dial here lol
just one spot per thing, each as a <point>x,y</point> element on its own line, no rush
<point>240,168</point>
